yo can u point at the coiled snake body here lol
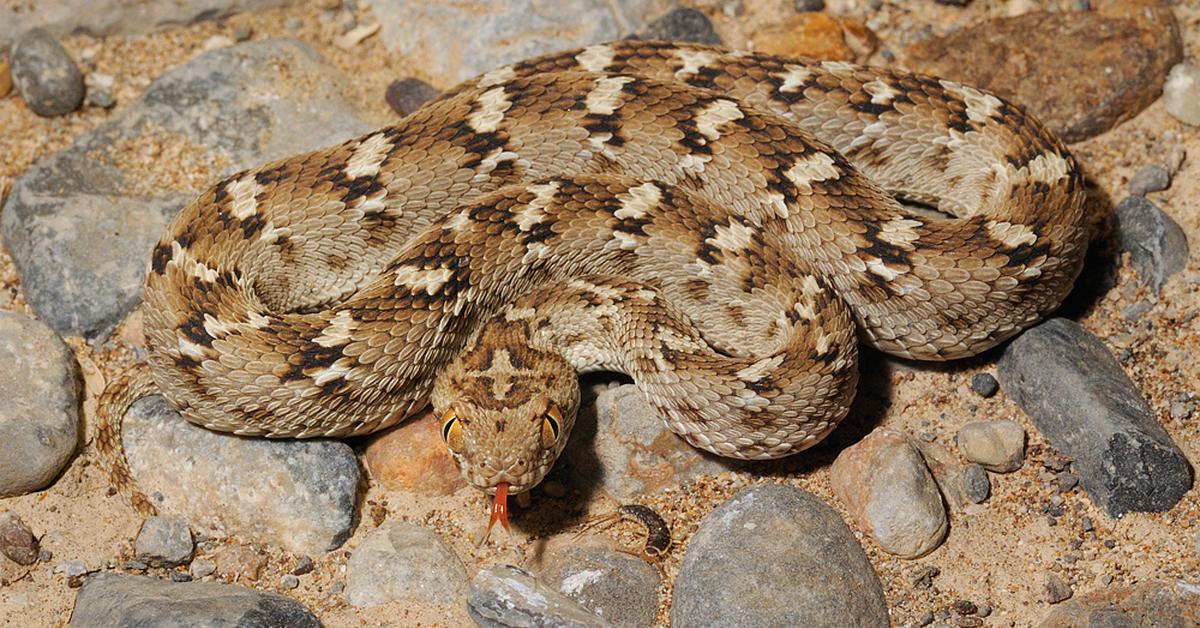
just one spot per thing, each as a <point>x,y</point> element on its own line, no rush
<point>721,226</point>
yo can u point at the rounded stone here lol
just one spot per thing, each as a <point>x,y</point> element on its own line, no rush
<point>997,445</point>
<point>39,419</point>
<point>774,555</point>
<point>45,75</point>
<point>888,489</point>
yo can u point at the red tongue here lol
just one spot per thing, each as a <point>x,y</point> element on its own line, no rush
<point>499,507</point>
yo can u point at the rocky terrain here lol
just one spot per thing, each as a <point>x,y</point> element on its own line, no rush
<point>1048,482</point>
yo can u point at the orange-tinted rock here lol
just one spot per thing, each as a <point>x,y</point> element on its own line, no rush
<point>816,35</point>
<point>1080,72</point>
<point>890,494</point>
<point>412,457</point>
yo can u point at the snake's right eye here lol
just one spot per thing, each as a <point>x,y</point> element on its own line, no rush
<point>452,430</point>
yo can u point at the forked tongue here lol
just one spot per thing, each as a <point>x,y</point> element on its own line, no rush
<point>499,512</point>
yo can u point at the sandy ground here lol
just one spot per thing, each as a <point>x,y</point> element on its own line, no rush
<point>997,553</point>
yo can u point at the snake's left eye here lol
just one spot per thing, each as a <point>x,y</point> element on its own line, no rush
<point>452,430</point>
<point>551,426</point>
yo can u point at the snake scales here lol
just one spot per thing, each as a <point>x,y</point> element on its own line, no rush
<point>721,226</point>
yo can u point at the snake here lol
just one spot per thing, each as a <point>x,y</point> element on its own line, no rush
<point>724,227</point>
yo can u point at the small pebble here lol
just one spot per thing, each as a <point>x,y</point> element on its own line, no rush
<point>1181,93</point>
<point>164,542</point>
<point>1106,579</point>
<point>985,609</point>
<point>1149,179</point>
<point>997,445</point>
<point>964,607</point>
<point>288,582</point>
<point>303,566</point>
<point>1109,543</point>
<point>101,98</point>
<point>202,567</point>
<point>407,95</point>
<point>976,483</point>
<point>1067,482</point>
<point>134,565</point>
<point>337,588</point>
<point>984,384</point>
<point>805,6</point>
<point>181,576</point>
<point>293,24</point>
<point>16,540</point>
<point>925,619</point>
<point>241,32</point>
<point>1057,589</point>
<point>1182,406</point>
<point>968,622</point>
<point>45,555</point>
<point>954,3</point>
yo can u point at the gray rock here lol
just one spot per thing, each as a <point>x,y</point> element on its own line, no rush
<point>1149,179</point>
<point>16,540</point>
<point>984,384</point>
<point>295,494</point>
<point>1067,381</point>
<point>773,555</point>
<point>288,582</point>
<point>617,586</point>
<point>884,483</point>
<point>682,24</point>
<point>202,567</point>
<point>620,444</point>
<point>977,484</point>
<point>100,98</point>
<point>39,419</point>
<point>1181,93</point>
<point>505,596</point>
<point>804,6</point>
<point>117,17</point>
<point>948,472</point>
<point>403,562</point>
<point>110,599</point>
<point>1154,603</point>
<point>407,95</point>
<point>997,445</point>
<point>163,542</point>
<point>460,40</point>
<point>45,75</point>
<point>1157,245</point>
<point>1057,589</point>
<point>79,230</point>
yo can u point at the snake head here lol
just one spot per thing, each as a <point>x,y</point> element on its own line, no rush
<point>507,408</point>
